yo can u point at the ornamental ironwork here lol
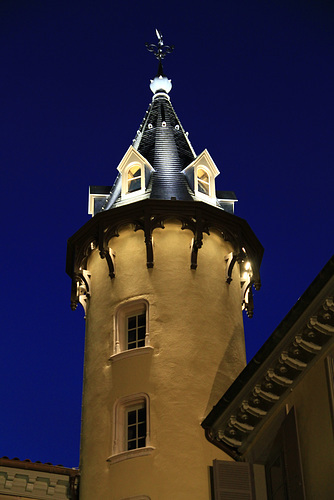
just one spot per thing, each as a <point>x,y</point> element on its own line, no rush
<point>160,50</point>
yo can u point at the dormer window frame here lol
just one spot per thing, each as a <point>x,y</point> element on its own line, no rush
<point>133,158</point>
<point>205,163</point>
<point>200,182</point>
<point>126,192</point>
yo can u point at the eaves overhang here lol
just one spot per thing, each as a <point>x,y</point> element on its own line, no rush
<point>289,353</point>
<point>38,480</point>
<point>148,214</point>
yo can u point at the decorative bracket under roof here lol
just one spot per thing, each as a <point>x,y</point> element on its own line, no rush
<point>246,278</point>
<point>80,289</point>
<point>149,214</point>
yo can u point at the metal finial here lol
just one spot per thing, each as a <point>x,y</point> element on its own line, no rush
<point>159,50</point>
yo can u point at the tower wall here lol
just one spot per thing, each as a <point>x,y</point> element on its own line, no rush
<point>197,350</point>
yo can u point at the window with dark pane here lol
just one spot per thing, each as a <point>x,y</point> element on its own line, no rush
<point>136,427</point>
<point>276,477</point>
<point>134,178</point>
<point>136,328</point>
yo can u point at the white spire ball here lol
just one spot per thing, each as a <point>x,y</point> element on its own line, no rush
<point>161,83</point>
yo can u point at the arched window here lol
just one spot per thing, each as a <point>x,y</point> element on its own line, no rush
<point>131,427</point>
<point>134,178</point>
<point>135,173</point>
<point>201,174</point>
<point>131,327</point>
<point>203,181</point>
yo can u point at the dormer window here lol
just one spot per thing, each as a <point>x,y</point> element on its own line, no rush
<point>203,180</point>
<point>134,178</point>
<point>201,175</point>
<point>135,173</point>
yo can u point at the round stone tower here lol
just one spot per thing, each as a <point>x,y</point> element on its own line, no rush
<point>163,270</point>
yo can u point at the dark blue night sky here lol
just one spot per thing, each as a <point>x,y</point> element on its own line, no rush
<point>252,83</point>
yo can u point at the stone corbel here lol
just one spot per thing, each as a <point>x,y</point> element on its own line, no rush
<point>253,410</point>
<point>323,328</point>
<point>246,278</point>
<point>198,227</point>
<point>149,243</point>
<point>148,224</point>
<point>307,345</point>
<point>266,395</point>
<point>231,259</point>
<point>281,380</point>
<point>80,289</point>
<point>196,244</point>
<point>247,297</point>
<point>108,254</point>
<point>105,251</point>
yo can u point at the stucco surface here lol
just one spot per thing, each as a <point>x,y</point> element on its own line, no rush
<point>196,331</point>
<point>310,399</point>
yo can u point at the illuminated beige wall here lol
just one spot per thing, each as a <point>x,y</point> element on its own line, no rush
<point>196,331</point>
<point>311,401</point>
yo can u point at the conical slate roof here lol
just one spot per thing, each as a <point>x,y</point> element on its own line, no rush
<point>163,142</point>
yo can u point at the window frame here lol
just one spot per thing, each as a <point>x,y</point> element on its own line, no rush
<point>210,183</point>
<point>136,329</point>
<point>121,409</point>
<point>131,158</point>
<point>125,180</point>
<point>138,435</point>
<point>123,311</point>
<point>134,178</point>
<point>200,181</point>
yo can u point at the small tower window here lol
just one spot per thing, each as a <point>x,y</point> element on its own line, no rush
<point>131,327</point>
<point>136,330</point>
<point>136,426</point>
<point>131,428</point>
<point>134,178</point>
<point>203,181</point>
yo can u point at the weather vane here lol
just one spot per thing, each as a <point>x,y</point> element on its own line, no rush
<point>159,50</point>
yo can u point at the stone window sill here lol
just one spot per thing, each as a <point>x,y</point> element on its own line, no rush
<point>131,352</point>
<point>126,455</point>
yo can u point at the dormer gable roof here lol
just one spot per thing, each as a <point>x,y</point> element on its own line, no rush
<point>132,156</point>
<point>204,159</point>
<point>201,174</point>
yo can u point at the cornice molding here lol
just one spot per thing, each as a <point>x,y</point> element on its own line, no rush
<point>149,214</point>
